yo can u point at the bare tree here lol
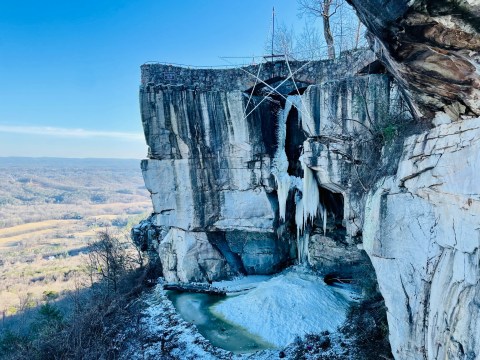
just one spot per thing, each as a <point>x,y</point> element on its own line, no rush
<point>283,41</point>
<point>111,259</point>
<point>324,9</point>
<point>307,43</point>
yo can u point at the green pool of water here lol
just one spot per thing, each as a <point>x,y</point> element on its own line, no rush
<point>196,309</point>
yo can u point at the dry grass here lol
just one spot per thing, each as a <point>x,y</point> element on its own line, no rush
<point>32,227</point>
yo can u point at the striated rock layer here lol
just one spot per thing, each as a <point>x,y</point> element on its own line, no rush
<point>422,234</point>
<point>227,161</point>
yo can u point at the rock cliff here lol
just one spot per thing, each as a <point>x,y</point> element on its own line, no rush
<point>244,169</point>
<point>422,234</point>
<point>252,169</point>
<point>421,226</point>
<point>432,49</point>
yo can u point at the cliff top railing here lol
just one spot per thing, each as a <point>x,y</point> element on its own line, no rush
<point>238,77</point>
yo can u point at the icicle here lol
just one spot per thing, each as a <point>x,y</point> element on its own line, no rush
<point>311,195</point>
<point>324,215</point>
<point>297,102</point>
<point>299,216</point>
<point>302,239</point>
<point>304,246</point>
<point>283,187</point>
<point>308,206</point>
<point>307,209</point>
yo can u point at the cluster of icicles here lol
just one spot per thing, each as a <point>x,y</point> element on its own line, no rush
<point>308,206</point>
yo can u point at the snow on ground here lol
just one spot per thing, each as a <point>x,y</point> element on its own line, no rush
<point>163,334</point>
<point>240,283</point>
<point>294,303</point>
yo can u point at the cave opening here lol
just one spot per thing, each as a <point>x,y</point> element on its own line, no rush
<point>334,205</point>
<point>295,136</point>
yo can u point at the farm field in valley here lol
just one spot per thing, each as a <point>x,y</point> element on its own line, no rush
<point>50,210</point>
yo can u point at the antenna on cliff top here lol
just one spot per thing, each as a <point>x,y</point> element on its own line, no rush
<point>272,55</point>
<point>273,27</point>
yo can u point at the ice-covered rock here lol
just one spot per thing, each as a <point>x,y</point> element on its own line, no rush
<point>224,159</point>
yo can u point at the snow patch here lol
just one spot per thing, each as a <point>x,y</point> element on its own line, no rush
<point>292,304</point>
<point>240,283</point>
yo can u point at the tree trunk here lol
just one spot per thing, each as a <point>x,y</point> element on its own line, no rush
<point>327,32</point>
<point>357,35</point>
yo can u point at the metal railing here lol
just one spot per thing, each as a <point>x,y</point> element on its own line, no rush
<point>253,60</point>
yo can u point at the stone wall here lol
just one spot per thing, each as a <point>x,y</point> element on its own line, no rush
<point>229,79</point>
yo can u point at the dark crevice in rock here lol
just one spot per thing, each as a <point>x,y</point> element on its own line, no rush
<point>407,303</point>
<point>262,121</point>
<point>218,240</point>
<point>334,205</point>
<point>294,143</point>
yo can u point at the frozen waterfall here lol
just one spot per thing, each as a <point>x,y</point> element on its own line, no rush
<point>280,161</point>
<point>309,205</point>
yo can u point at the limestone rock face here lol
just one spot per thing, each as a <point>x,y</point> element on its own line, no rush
<point>432,48</point>
<point>189,256</point>
<point>325,253</point>
<point>209,174</point>
<point>421,225</point>
<point>345,126</point>
<point>422,234</point>
<point>218,141</point>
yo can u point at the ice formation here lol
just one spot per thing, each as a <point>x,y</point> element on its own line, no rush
<point>283,186</point>
<point>311,196</point>
<point>308,206</point>
<point>280,161</point>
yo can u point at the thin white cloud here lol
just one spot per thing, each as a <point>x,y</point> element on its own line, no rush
<point>69,133</point>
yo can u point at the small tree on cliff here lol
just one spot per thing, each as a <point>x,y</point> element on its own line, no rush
<point>110,259</point>
<point>283,41</point>
<point>339,23</point>
<point>324,9</point>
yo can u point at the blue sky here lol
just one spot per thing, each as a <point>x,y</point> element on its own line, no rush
<point>69,70</point>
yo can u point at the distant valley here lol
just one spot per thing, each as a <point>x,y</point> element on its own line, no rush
<point>50,209</point>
